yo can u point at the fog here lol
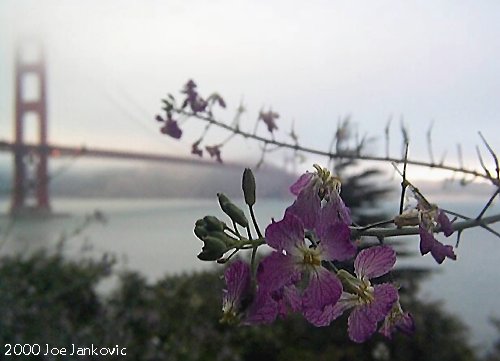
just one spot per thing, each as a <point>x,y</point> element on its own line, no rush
<point>109,64</point>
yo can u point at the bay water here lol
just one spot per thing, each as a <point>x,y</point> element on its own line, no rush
<point>155,238</point>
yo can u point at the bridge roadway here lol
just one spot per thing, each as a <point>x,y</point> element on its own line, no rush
<point>56,151</point>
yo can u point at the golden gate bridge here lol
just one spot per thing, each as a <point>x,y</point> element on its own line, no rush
<point>39,153</point>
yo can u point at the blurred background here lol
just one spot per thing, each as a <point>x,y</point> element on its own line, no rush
<point>114,260</point>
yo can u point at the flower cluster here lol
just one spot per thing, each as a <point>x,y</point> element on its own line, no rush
<point>300,275</point>
<point>428,217</point>
<point>195,104</point>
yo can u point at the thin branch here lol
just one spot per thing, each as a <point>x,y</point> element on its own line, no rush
<point>429,142</point>
<point>486,171</point>
<point>406,231</point>
<point>404,133</point>
<point>460,156</point>
<point>404,182</point>
<point>387,136</point>
<point>492,154</point>
<point>374,225</point>
<point>441,162</point>
<point>467,218</point>
<point>488,204</point>
<point>335,155</point>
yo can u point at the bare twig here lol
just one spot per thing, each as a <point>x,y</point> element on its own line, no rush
<point>486,171</point>
<point>494,156</point>
<point>460,156</point>
<point>429,142</point>
<point>488,204</point>
<point>405,134</point>
<point>333,155</point>
<point>492,231</point>
<point>406,231</point>
<point>387,136</point>
<point>404,182</point>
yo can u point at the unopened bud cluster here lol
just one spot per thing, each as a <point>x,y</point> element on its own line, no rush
<point>210,230</point>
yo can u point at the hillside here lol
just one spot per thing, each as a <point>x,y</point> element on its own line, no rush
<point>159,181</point>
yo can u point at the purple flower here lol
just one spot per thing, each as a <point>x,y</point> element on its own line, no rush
<point>311,189</point>
<point>428,243</point>
<point>214,152</point>
<point>171,128</point>
<point>397,320</point>
<point>238,293</point>
<point>288,299</point>
<point>240,304</point>
<point>193,99</point>
<point>294,259</point>
<point>370,303</point>
<point>330,219</point>
<point>431,217</point>
<point>428,217</point>
<point>269,118</point>
<point>301,183</point>
<point>444,223</point>
<point>195,149</point>
<point>307,205</point>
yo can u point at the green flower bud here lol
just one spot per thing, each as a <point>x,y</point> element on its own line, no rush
<point>212,250</point>
<point>226,239</point>
<point>223,199</point>
<point>200,231</point>
<point>212,223</point>
<point>248,185</point>
<point>235,213</point>
<point>350,282</point>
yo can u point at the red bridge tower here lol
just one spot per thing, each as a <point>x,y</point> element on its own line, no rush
<point>26,162</point>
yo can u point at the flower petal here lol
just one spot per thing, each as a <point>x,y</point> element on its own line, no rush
<point>400,322</point>
<point>359,325</point>
<point>301,183</point>
<point>428,243</point>
<point>286,234</point>
<point>406,324</point>
<point>345,302</point>
<point>445,223</point>
<point>306,207</point>
<point>385,295</point>
<point>172,129</point>
<point>292,297</point>
<point>288,299</point>
<point>324,288</point>
<point>426,240</point>
<point>323,291</point>
<point>336,242</point>
<point>320,318</point>
<point>335,210</point>
<point>374,261</point>
<point>276,271</point>
<point>237,277</point>
<point>440,251</point>
<point>264,309</point>
<point>362,322</point>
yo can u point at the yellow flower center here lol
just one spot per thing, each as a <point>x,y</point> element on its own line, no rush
<point>311,257</point>
<point>365,292</point>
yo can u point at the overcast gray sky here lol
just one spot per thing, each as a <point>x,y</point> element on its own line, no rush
<point>110,62</point>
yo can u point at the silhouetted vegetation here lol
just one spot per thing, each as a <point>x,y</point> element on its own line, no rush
<point>45,299</point>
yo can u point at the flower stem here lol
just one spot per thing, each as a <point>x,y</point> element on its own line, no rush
<point>254,221</point>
